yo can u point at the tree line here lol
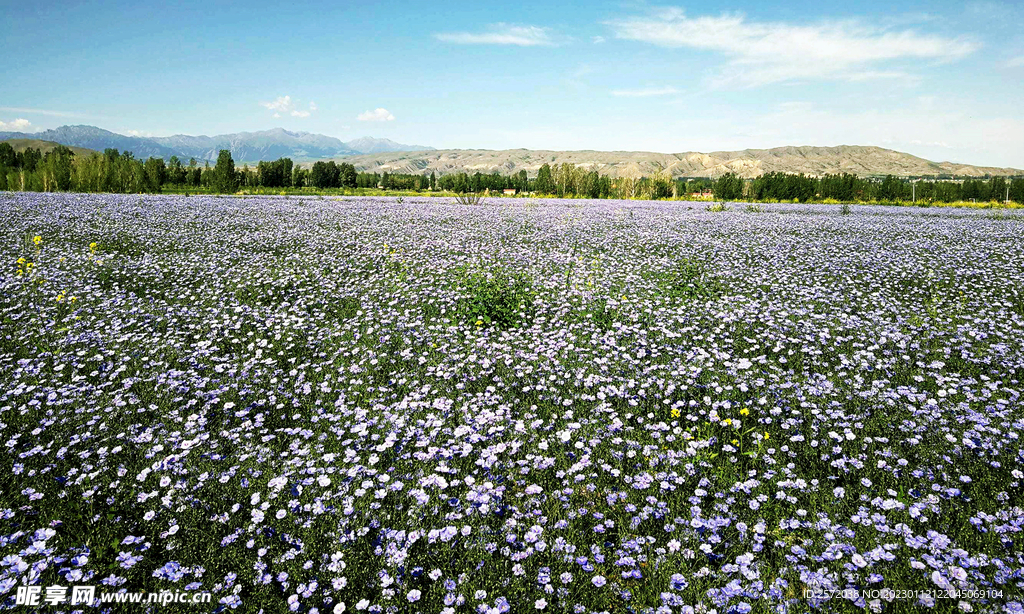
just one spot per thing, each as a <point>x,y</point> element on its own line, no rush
<point>112,171</point>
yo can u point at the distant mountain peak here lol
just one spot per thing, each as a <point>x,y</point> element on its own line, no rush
<point>261,145</point>
<point>369,144</point>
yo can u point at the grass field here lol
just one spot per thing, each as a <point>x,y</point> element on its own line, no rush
<point>325,405</point>
<point>374,192</point>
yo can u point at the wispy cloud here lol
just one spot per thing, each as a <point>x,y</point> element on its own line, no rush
<point>1016,62</point>
<point>376,115</point>
<point>769,52</point>
<point>285,105</point>
<point>502,34</point>
<point>18,125</point>
<point>597,40</point>
<point>142,133</point>
<point>645,92</point>
<point>44,112</point>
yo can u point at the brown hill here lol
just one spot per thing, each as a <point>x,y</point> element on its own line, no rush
<point>859,160</point>
<point>21,145</point>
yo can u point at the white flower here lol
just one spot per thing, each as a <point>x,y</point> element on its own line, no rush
<point>540,604</point>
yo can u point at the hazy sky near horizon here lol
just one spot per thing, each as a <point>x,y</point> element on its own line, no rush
<point>943,80</point>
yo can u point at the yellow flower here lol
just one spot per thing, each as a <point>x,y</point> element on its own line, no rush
<point>29,265</point>
<point>744,412</point>
<point>479,322</point>
<point>60,298</point>
<point>37,240</point>
<point>727,421</point>
<point>766,435</point>
<point>675,413</point>
<point>73,299</point>
<point>93,246</point>
<point>21,260</point>
<point>735,441</point>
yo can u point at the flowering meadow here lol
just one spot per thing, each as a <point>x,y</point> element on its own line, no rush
<point>330,405</point>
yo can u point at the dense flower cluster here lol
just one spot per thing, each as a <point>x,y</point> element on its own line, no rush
<point>287,403</point>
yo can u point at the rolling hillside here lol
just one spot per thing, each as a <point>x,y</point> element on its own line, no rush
<point>860,160</point>
<point>20,145</point>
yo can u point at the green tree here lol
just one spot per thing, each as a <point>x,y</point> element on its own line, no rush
<point>57,169</point>
<point>998,189</point>
<point>348,175</point>
<point>728,187</point>
<point>545,184</point>
<point>8,157</point>
<point>156,173</point>
<point>1017,190</point>
<point>29,158</point>
<point>175,171</point>
<point>224,179</point>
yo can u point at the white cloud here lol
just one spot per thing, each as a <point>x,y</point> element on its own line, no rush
<point>376,115</point>
<point>769,52</point>
<point>1016,62</point>
<point>138,133</point>
<point>284,105</point>
<point>597,40</point>
<point>501,34</point>
<point>643,93</point>
<point>18,125</point>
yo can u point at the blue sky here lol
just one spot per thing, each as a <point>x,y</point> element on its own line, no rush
<point>943,80</point>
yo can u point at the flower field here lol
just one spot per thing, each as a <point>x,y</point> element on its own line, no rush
<point>320,406</point>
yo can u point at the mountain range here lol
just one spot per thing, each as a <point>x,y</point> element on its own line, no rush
<point>384,155</point>
<point>244,146</point>
<point>865,161</point>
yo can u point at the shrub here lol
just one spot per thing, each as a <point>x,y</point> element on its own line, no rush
<point>497,298</point>
<point>717,207</point>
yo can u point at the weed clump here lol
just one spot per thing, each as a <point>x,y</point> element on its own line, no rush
<point>687,279</point>
<point>469,198</point>
<point>499,298</point>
